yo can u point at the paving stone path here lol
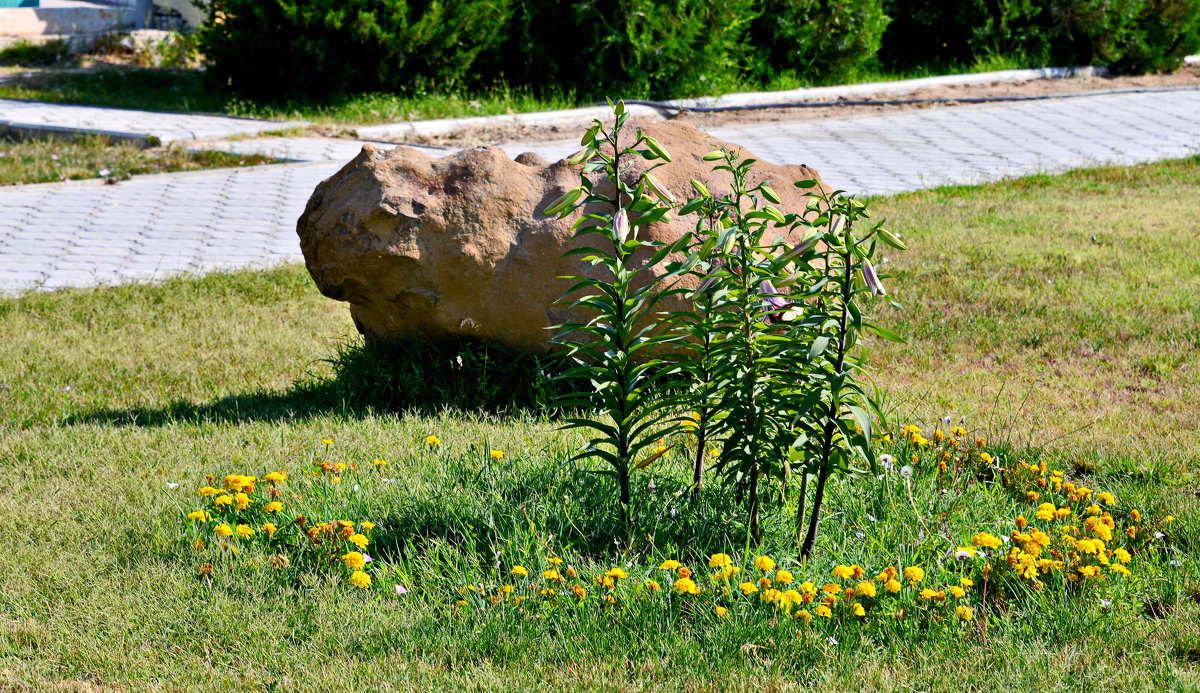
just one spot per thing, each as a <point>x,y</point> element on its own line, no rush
<point>87,233</point>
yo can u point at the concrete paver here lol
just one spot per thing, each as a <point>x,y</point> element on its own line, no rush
<point>118,122</point>
<point>88,233</point>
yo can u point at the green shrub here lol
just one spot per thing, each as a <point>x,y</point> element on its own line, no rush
<point>1170,30</point>
<point>818,40</point>
<point>320,47</point>
<point>1127,35</point>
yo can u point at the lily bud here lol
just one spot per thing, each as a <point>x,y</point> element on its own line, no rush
<point>656,148</point>
<point>659,191</point>
<point>581,156</point>
<point>714,155</point>
<point>563,202</point>
<point>700,188</point>
<point>773,299</point>
<point>769,193</point>
<point>871,279</point>
<point>621,226</point>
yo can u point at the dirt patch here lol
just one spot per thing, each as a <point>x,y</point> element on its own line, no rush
<point>504,133</point>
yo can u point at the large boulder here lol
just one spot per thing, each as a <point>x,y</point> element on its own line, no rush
<point>457,247</point>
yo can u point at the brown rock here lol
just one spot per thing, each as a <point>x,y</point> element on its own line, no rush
<point>458,246</point>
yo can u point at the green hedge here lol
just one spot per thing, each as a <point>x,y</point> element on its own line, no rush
<point>320,47</point>
<point>825,40</point>
<point>1127,35</point>
<point>663,48</point>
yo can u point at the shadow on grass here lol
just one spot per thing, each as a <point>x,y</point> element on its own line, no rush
<point>403,377</point>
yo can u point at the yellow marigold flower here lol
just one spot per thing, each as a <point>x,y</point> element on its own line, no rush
<point>804,615</point>
<point>1106,498</point>
<point>273,507</point>
<point>433,441</point>
<point>928,594</point>
<point>909,430</point>
<point>958,592</point>
<point>843,572</point>
<point>748,588</point>
<point>554,560</point>
<point>223,530</point>
<point>985,458</point>
<point>552,574</point>
<point>722,612</point>
<point>683,573</point>
<point>1102,531</point>
<point>378,462</point>
<point>686,586</point>
<point>1032,495</point>
<point>986,540</point>
<point>866,589</point>
<point>505,589</point>
<point>784,576</point>
<point>277,477</point>
<point>497,454</point>
<point>670,564</point>
<point>832,588</point>
<point>771,596</point>
<point>340,466</point>
<point>892,585</point>
<point>1118,568</point>
<point>1169,519</point>
<point>547,592</point>
<point>653,586</point>
<point>616,574</point>
<point>1045,511</point>
<point>823,611</point>
<point>764,563</point>
<point>859,610</point>
<point>981,441</point>
<point>519,570</point>
<point>208,491</point>
<point>939,435</point>
<point>1089,570</point>
<point>244,531</point>
<point>354,560</point>
<point>242,501</point>
<point>360,579</point>
<point>461,602</point>
<point>358,540</point>
<point>1122,555</point>
<point>270,529</point>
<point>578,591</point>
<point>222,500</point>
<point>725,573</point>
<point>966,582</point>
<point>367,526</point>
<point>571,572</point>
<point>965,612</point>
<point>719,560</point>
<point>1063,512</point>
<point>914,574</point>
<point>327,441</point>
<point>199,516</point>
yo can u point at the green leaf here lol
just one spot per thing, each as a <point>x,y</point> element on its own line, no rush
<point>884,333</point>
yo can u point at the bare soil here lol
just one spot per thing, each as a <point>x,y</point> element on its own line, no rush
<point>504,133</point>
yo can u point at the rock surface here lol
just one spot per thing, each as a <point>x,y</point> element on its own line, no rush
<point>457,247</point>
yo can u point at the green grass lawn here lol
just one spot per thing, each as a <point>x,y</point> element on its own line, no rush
<point>46,161</point>
<point>1059,315</point>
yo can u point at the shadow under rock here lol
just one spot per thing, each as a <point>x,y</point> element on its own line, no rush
<point>403,376</point>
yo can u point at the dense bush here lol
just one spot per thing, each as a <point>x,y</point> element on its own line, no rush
<point>820,40</point>
<point>1129,35</point>
<point>317,47</point>
<point>663,48</point>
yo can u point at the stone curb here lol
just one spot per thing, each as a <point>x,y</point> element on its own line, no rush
<point>442,126</point>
